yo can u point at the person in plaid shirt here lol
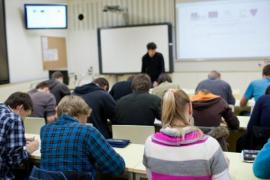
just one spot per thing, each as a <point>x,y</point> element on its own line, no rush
<point>68,145</point>
<point>13,147</point>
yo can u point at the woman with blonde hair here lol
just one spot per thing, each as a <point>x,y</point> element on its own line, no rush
<point>180,150</point>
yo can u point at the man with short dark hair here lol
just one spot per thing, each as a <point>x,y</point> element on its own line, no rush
<point>257,87</point>
<point>44,103</point>
<point>140,107</point>
<point>13,146</point>
<point>219,87</point>
<point>96,96</point>
<point>153,62</point>
<point>57,87</point>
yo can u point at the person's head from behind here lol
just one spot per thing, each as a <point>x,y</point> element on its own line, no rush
<point>203,92</point>
<point>176,109</point>
<point>130,78</point>
<point>20,103</point>
<point>57,75</point>
<point>151,49</point>
<point>75,107</point>
<point>102,83</point>
<point>213,75</point>
<point>43,87</point>
<point>164,77</point>
<point>267,92</point>
<point>266,71</point>
<point>141,83</point>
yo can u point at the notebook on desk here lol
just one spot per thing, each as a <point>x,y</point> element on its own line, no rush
<point>249,155</point>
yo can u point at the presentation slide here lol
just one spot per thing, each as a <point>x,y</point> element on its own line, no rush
<point>223,29</point>
<point>46,16</point>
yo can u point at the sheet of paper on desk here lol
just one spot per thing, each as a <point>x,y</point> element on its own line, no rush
<point>50,54</point>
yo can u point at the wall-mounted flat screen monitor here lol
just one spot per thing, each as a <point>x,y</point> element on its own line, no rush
<point>45,16</point>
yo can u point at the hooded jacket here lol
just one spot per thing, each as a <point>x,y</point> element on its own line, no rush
<point>184,154</point>
<point>58,89</point>
<point>209,109</point>
<point>102,104</point>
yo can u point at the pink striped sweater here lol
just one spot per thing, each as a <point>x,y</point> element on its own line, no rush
<point>185,154</point>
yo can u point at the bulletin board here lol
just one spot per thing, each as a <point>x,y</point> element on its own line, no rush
<point>54,53</point>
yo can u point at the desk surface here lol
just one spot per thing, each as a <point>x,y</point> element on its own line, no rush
<point>238,169</point>
<point>133,155</point>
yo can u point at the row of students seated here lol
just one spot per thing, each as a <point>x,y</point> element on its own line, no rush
<point>70,148</point>
<point>146,106</point>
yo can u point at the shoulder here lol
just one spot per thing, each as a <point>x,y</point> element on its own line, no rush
<point>212,146</point>
<point>263,98</point>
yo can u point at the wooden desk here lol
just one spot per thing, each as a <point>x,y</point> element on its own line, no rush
<point>238,169</point>
<point>133,156</point>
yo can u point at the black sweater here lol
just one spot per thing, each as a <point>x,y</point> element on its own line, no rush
<point>153,66</point>
<point>102,104</point>
<point>138,109</point>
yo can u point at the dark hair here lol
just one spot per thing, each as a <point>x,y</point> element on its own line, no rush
<point>42,85</point>
<point>163,77</point>
<point>266,70</point>
<point>214,75</point>
<point>141,83</point>
<point>57,74</point>
<point>267,92</point>
<point>18,99</point>
<point>102,82</point>
<point>151,45</point>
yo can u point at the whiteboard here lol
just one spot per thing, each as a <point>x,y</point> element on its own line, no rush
<point>121,48</point>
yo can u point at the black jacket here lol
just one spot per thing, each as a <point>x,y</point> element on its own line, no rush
<point>102,104</point>
<point>121,89</point>
<point>153,66</point>
<point>138,109</point>
<point>58,89</point>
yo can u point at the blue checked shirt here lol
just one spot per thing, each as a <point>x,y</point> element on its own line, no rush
<point>12,141</point>
<point>67,145</point>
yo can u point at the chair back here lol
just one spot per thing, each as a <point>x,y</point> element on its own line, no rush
<point>135,133</point>
<point>33,125</point>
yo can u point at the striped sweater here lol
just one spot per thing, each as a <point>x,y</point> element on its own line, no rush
<point>185,154</point>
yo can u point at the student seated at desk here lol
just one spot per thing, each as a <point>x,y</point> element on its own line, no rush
<point>121,88</point>
<point>180,150</point>
<point>13,146</point>
<point>57,86</point>
<point>44,102</point>
<point>209,109</point>
<point>260,117</point>
<point>163,83</point>
<point>68,145</point>
<point>261,166</point>
<point>257,87</point>
<point>140,107</point>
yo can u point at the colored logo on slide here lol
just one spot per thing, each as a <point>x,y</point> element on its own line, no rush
<point>253,12</point>
<point>212,14</point>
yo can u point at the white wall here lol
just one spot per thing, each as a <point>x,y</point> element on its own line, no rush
<point>83,41</point>
<point>24,46</point>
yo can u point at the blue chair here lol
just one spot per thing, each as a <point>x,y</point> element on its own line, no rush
<point>41,174</point>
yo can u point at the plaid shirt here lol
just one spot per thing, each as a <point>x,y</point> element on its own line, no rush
<point>12,141</point>
<point>67,145</point>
